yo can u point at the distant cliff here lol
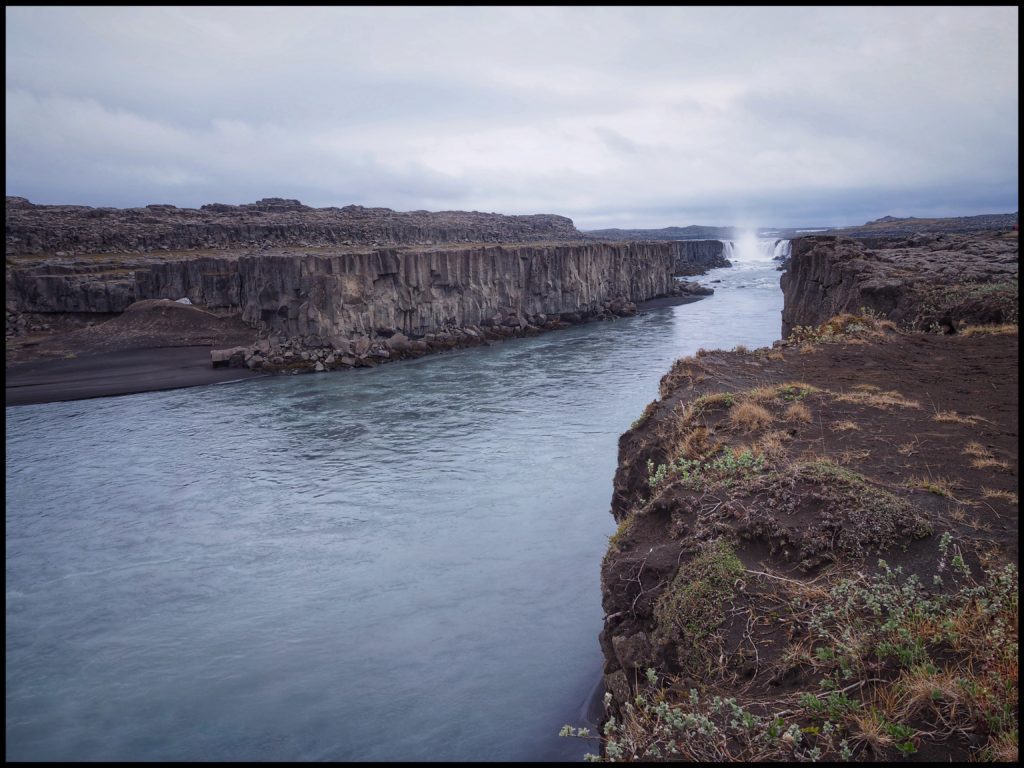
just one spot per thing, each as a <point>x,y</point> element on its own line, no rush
<point>892,226</point>
<point>692,232</point>
<point>272,222</point>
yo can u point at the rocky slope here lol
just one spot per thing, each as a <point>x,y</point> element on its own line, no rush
<point>748,615</point>
<point>72,229</point>
<point>922,282</point>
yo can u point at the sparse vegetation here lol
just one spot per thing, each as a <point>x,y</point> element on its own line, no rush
<point>995,493</point>
<point>952,417</point>
<point>975,330</point>
<point>876,399</point>
<point>940,486</point>
<point>692,607</point>
<point>888,663</point>
<point>843,327</point>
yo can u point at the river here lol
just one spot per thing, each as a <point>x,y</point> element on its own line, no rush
<point>391,564</point>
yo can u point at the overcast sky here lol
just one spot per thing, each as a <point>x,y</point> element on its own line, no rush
<point>616,117</point>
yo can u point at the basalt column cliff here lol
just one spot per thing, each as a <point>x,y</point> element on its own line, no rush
<point>328,277</point>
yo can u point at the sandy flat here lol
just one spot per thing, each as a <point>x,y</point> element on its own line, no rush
<point>115,373</point>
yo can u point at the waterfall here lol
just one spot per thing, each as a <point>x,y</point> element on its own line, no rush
<point>751,248</point>
<point>782,250</point>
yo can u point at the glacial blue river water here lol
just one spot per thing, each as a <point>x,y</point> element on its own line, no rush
<point>390,564</point>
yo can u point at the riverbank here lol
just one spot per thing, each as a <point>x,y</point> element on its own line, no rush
<point>159,345</point>
<point>110,374</point>
<point>783,515</point>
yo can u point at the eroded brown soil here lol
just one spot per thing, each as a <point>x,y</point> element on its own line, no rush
<point>148,324</point>
<point>809,462</point>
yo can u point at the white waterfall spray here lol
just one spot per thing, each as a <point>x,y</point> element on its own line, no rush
<point>750,248</point>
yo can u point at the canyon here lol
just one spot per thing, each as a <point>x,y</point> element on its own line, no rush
<point>787,513</point>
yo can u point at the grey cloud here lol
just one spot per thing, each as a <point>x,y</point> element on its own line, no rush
<point>660,116</point>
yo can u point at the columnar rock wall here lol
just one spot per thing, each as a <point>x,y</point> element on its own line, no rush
<point>378,291</point>
<point>921,282</point>
<point>695,257</point>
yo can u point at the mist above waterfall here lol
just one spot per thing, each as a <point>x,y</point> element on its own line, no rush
<point>750,248</point>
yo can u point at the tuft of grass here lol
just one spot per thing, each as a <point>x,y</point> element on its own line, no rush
<point>977,450</point>
<point>696,444</point>
<point>844,426</point>
<point>749,416</point>
<point>952,417</point>
<point>993,493</point>
<point>787,392</point>
<point>940,486</point>
<point>798,412</point>
<point>883,400</point>
<point>772,444</point>
<point>991,462</point>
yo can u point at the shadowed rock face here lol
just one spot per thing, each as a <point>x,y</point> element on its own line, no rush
<point>327,293</point>
<point>271,222</point>
<point>917,282</point>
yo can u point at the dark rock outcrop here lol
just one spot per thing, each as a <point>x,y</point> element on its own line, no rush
<point>921,282</point>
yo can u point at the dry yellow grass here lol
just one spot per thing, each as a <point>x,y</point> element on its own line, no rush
<point>952,417</point>
<point>977,450</point>
<point>749,416</point>
<point>974,330</point>
<point>772,445</point>
<point>798,412</point>
<point>844,426</point>
<point>990,462</point>
<point>695,444</point>
<point>876,399</point>
<point>993,493</point>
